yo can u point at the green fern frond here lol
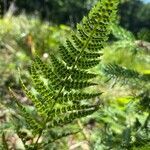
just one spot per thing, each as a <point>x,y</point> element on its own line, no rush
<point>119,72</point>
<point>62,82</point>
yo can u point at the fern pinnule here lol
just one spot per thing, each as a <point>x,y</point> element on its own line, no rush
<point>32,123</point>
<point>59,68</point>
<point>45,70</point>
<point>37,103</point>
<point>75,97</point>
<point>40,86</point>
<point>71,114</point>
<point>66,56</point>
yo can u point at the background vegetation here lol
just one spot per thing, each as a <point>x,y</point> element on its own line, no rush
<point>123,122</point>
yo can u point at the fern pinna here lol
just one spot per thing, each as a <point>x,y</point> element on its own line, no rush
<point>58,85</point>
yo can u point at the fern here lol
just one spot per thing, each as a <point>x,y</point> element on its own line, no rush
<point>124,74</point>
<point>59,84</point>
<point>125,40</point>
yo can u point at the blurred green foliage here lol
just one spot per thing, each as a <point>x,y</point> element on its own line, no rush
<point>144,34</point>
<point>134,14</point>
<point>58,11</point>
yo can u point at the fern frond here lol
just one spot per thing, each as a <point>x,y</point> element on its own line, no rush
<point>118,72</point>
<point>91,33</point>
<point>61,83</point>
